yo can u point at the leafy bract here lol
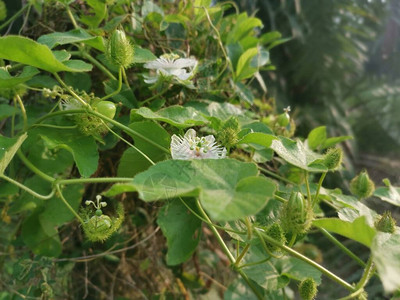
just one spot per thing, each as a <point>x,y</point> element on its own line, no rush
<point>178,116</point>
<point>83,148</point>
<point>224,186</point>
<point>8,148</point>
<point>358,230</point>
<point>298,154</point>
<point>182,230</point>
<point>8,81</point>
<point>54,39</point>
<point>132,161</point>
<point>29,52</point>
<point>386,256</point>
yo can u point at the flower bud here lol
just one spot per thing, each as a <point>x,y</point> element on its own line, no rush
<point>333,158</point>
<point>119,50</point>
<point>228,136</point>
<point>362,186</point>
<point>3,11</point>
<point>275,231</point>
<point>296,215</point>
<point>308,289</point>
<point>386,223</point>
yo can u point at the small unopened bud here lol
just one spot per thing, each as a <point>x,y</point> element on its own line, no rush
<point>296,215</point>
<point>333,158</point>
<point>103,204</point>
<point>275,231</point>
<point>87,202</point>
<point>386,223</point>
<point>228,136</point>
<point>308,289</point>
<point>362,186</point>
<point>119,49</point>
<point>3,10</point>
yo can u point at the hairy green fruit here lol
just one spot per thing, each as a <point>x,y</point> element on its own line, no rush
<point>228,135</point>
<point>296,215</point>
<point>308,289</point>
<point>283,119</point>
<point>386,223</point>
<point>106,108</point>
<point>119,50</point>
<point>362,186</point>
<point>333,158</point>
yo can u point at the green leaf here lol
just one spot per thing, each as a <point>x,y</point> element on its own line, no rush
<point>142,55</point>
<point>182,230</point>
<point>358,230</point>
<point>298,154</point>
<point>83,148</point>
<point>243,27</point>
<point>7,111</point>
<point>224,186</point>
<point>73,36</point>
<point>178,116</point>
<point>132,162</point>
<point>8,81</point>
<point>258,138</point>
<point>222,111</point>
<point>8,148</point>
<point>243,68</point>
<point>56,213</point>
<point>330,142</point>
<point>94,16</point>
<point>244,92</point>
<point>40,56</point>
<point>125,96</point>
<point>41,238</point>
<point>389,194</point>
<point>386,257</point>
<point>316,137</point>
<point>239,290</point>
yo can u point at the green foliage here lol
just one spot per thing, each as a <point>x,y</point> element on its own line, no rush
<point>240,194</point>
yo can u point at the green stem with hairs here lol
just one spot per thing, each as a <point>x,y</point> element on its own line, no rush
<point>272,174</point>
<point>155,96</point>
<point>321,180</point>
<point>25,188</point>
<point>116,92</point>
<point>33,168</point>
<point>300,256</point>
<point>64,85</point>
<point>227,251</point>
<point>93,180</point>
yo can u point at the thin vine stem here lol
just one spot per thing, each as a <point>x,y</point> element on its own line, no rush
<point>116,92</point>
<point>33,168</point>
<point>93,180</point>
<point>321,180</point>
<point>227,251</point>
<point>207,222</point>
<point>155,96</point>
<point>342,247</point>
<point>64,85</point>
<point>276,176</point>
<point>25,188</point>
<point>67,204</point>
<point>300,256</point>
<point>15,16</point>
<point>23,111</point>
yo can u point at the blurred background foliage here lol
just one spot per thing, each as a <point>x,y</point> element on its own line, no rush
<point>340,68</point>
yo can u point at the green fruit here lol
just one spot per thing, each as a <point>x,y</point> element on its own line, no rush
<point>99,212</point>
<point>362,186</point>
<point>107,109</point>
<point>308,289</point>
<point>284,119</point>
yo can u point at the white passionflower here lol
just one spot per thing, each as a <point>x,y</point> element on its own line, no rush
<point>192,147</point>
<point>171,66</point>
<point>71,103</point>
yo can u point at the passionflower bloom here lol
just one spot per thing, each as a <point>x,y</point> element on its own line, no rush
<point>192,147</point>
<point>172,67</point>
